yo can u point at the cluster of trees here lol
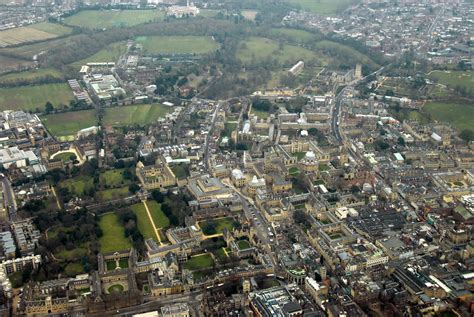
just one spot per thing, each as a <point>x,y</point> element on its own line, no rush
<point>47,79</point>
<point>128,219</point>
<point>174,206</point>
<point>301,218</point>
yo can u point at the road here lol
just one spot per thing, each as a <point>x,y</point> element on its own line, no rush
<point>9,198</point>
<point>208,138</point>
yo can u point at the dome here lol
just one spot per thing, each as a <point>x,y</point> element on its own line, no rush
<point>310,155</point>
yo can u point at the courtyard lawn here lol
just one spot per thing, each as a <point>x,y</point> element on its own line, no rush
<point>159,217</point>
<point>113,193</point>
<point>257,49</point>
<point>243,244</point>
<point>179,171</point>
<point>153,45</point>
<point>135,114</point>
<point>113,234</point>
<point>294,171</point>
<point>324,167</point>
<point>78,185</point>
<point>216,226</point>
<point>324,6</point>
<point>67,124</point>
<point>99,19</point>
<point>116,288</point>
<point>460,116</point>
<point>144,225</point>
<point>454,78</point>
<point>299,155</point>
<point>261,114</point>
<point>65,157</point>
<point>112,178</point>
<point>220,254</point>
<point>199,262</point>
<point>33,98</point>
<point>110,53</point>
<point>73,269</point>
<point>30,75</point>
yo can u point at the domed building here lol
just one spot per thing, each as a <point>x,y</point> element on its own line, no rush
<point>309,163</point>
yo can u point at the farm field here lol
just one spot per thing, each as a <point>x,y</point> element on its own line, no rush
<point>99,19</point>
<point>110,53</point>
<point>454,78</point>
<point>177,44</point>
<point>135,114</point>
<point>460,116</point>
<point>35,97</point>
<point>113,238</point>
<point>23,34</point>
<point>258,49</point>
<point>324,6</point>
<point>67,124</point>
<point>30,75</point>
<point>52,28</point>
<point>78,185</point>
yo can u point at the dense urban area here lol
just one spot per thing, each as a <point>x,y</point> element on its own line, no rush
<point>236,158</point>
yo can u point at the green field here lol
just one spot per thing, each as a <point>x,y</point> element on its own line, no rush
<point>460,116</point>
<point>113,238</point>
<point>31,75</point>
<point>333,48</point>
<point>199,262</point>
<point>113,193</point>
<point>99,19</point>
<point>110,53</point>
<point>135,114</point>
<point>243,244</point>
<point>261,114</point>
<point>116,288</point>
<point>159,218</point>
<point>68,123</point>
<point>257,49</point>
<point>454,78</point>
<point>52,28</point>
<point>294,35</point>
<point>324,6</point>
<point>71,255</point>
<point>112,178</point>
<point>144,225</point>
<point>78,185</point>
<point>177,44</point>
<point>32,33</point>
<point>217,225</point>
<point>65,157</point>
<point>73,269</point>
<point>33,97</point>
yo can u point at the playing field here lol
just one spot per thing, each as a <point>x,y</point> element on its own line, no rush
<point>177,44</point>
<point>34,97</point>
<point>454,78</point>
<point>99,19</point>
<point>460,116</point>
<point>35,32</point>
<point>31,75</point>
<point>135,114</point>
<point>110,53</point>
<point>113,234</point>
<point>198,262</point>
<point>68,123</point>
<point>257,49</point>
<point>324,6</point>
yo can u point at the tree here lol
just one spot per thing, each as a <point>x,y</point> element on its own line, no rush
<point>467,135</point>
<point>301,218</point>
<point>158,196</point>
<point>133,188</point>
<point>401,141</point>
<point>49,107</point>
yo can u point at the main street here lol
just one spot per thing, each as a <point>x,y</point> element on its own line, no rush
<point>9,198</point>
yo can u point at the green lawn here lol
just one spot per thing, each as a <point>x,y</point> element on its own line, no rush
<point>31,75</point>
<point>66,156</point>
<point>116,288</point>
<point>159,218</point>
<point>324,167</point>
<point>243,244</point>
<point>135,114</point>
<point>73,269</point>
<point>177,44</point>
<point>98,19</point>
<point>35,97</point>
<point>110,53</point>
<point>324,6</point>
<point>112,178</point>
<point>294,170</point>
<point>179,171</point>
<point>113,193</point>
<point>71,255</point>
<point>113,234</point>
<point>261,114</point>
<point>257,49</point>
<point>460,116</point>
<point>220,254</point>
<point>217,225</point>
<point>202,261</point>
<point>68,123</point>
<point>78,185</point>
<point>144,225</point>
<point>454,78</point>
<point>52,28</point>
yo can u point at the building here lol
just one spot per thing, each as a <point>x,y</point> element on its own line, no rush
<point>18,264</point>
<point>274,302</point>
<point>20,158</point>
<point>238,178</point>
<point>204,188</point>
<point>155,176</point>
<point>175,310</point>
<point>296,69</point>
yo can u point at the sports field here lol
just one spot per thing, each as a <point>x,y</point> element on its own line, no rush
<point>113,234</point>
<point>177,44</point>
<point>454,78</point>
<point>68,123</point>
<point>110,53</point>
<point>257,49</point>
<point>100,19</point>
<point>31,75</point>
<point>35,32</point>
<point>324,6</point>
<point>135,114</point>
<point>34,97</point>
<point>460,116</point>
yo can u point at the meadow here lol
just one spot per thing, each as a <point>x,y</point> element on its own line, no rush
<point>324,6</point>
<point>113,238</point>
<point>460,116</point>
<point>110,53</point>
<point>68,123</point>
<point>31,75</point>
<point>100,19</point>
<point>32,97</point>
<point>23,34</point>
<point>8,64</point>
<point>294,35</point>
<point>177,44</point>
<point>454,78</point>
<point>135,114</point>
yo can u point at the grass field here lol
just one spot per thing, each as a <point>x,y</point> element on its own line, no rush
<point>144,225</point>
<point>324,6</point>
<point>135,114</point>
<point>218,225</point>
<point>110,53</point>
<point>68,123</point>
<point>113,238</point>
<point>8,64</point>
<point>159,218</point>
<point>113,193</point>
<point>31,75</point>
<point>73,269</point>
<point>295,35</point>
<point>177,44</point>
<point>78,185</point>
<point>116,288</point>
<point>113,178</point>
<point>345,50</point>
<point>33,97</point>
<point>243,244</point>
<point>199,262</point>
<point>23,35</point>
<point>454,78</point>
<point>260,114</point>
<point>258,49</point>
<point>66,156</point>
<point>460,116</point>
<point>99,19</point>
<point>52,28</point>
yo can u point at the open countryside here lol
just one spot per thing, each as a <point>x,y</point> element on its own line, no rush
<point>177,44</point>
<point>99,19</point>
